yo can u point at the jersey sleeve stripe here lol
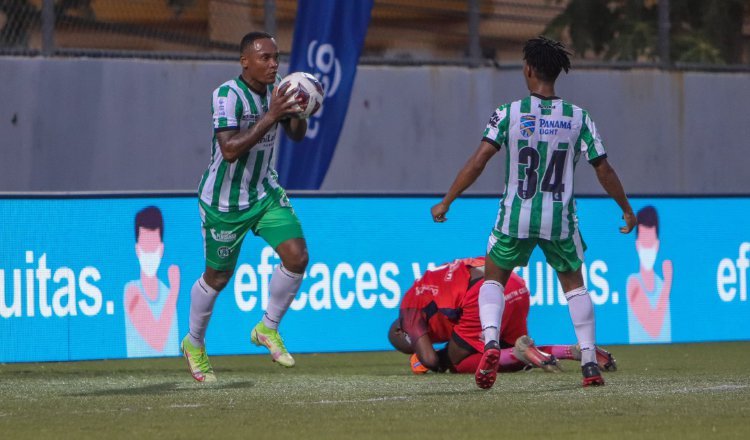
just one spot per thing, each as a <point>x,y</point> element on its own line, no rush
<point>222,120</point>
<point>594,147</point>
<point>238,110</point>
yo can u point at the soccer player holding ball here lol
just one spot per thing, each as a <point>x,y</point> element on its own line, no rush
<point>543,137</point>
<point>239,193</point>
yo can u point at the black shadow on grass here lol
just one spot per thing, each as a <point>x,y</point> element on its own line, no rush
<point>160,388</point>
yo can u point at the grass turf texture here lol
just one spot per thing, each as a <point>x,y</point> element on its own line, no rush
<point>665,391</point>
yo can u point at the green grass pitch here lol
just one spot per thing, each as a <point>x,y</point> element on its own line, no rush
<point>683,391</point>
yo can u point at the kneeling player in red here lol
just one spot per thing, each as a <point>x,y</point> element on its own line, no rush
<point>442,306</point>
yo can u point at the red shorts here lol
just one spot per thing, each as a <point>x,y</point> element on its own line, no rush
<point>468,332</point>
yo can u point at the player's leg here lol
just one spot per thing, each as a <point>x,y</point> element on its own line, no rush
<point>286,280</point>
<point>466,356</point>
<point>605,359</point>
<point>463,355</point>
<point>223,234</point>
<point>503,254</point>
<point>561,352</point>
<point>492,300</point>
<point>281,229</point>
<point>566,257</point>
<point>515,334</point>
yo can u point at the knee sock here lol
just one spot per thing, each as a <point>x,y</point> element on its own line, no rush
<point>491,305</point>
<point>202,299</point>
<point>582,314</point>
<point>283,288</point>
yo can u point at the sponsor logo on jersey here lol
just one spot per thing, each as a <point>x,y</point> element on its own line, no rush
<point>427,289</point>
<point>528,124</point>
<point>551,126</point>
<point>250,117</point>
<point>222,110</point>
<point>269,138</point>
<point>494,120</point>
<point>546,107</point>
<point>223,236</point>
<point>554,123</point>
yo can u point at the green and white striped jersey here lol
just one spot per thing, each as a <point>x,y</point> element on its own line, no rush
<point>544,139</point>
<point>235,186</point>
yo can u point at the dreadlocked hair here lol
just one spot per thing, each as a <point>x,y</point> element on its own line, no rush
<point>547,57</point>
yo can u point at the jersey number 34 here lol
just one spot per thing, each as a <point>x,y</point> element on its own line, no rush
<point>552,180</point>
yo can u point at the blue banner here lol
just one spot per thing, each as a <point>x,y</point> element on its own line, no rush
<point>101,278</point>
<point>328,38</point>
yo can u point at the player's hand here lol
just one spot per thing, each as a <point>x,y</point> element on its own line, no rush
<point>630,222</point>
<point>438,212</point>
<point>282,106</point>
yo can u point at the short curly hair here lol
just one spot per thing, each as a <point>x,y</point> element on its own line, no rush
<point>547,57</point>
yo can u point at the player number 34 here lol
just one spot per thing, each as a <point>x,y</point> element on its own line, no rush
<point>552,181</point>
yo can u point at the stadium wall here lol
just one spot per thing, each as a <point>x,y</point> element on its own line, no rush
<point>115,125</point>
<point>67,264</point>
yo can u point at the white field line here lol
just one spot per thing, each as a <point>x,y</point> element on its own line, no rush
<point>719,388</point>
<point>374,399</point>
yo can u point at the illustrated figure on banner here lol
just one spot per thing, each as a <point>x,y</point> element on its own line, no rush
<point>150,305</point>
<point>649,318</point>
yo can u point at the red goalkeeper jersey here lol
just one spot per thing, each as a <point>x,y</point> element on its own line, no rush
<point>434,303</point>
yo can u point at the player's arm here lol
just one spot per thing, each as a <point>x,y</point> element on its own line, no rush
<point>295,128</point>
<point>465,178</point>
<point>426,353</point>
<point>234,143</point>
<point>611,183</point>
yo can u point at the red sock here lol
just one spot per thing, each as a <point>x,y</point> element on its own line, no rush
<point>508,362</point>
<point>469,364</point>
<point>558,351</point>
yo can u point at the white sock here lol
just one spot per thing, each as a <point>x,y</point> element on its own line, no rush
<point>283,288</point>
<point>202,299</point>
<point>491,305</point>
<point>582,314</point>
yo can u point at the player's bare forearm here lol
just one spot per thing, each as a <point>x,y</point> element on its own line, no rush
<point>426,353</point>
<point>611,183</point>
<point>234,144</point>
<point>295,128</point>
<point>465,178</point>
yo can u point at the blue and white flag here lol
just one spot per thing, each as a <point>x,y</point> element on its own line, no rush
<point>328,38</point>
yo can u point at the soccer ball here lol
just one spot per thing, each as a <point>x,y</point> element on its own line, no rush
<point>309,88</point>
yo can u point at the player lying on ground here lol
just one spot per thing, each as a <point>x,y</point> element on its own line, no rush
<point>442,306</point>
